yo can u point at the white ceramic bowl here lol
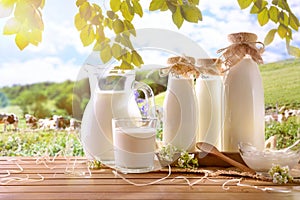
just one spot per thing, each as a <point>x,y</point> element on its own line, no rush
<point>262,161</point>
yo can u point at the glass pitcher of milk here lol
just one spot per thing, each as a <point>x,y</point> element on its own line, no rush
<point>112,96</point>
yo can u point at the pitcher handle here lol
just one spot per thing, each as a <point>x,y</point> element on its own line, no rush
<point>149,98</point>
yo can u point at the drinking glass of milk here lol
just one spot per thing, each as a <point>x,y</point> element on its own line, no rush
<point>134,144</point>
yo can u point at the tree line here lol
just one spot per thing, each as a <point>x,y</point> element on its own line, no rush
<point>46,99</point>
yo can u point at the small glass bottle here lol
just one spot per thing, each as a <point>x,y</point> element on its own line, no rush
<point>180,114</point>
<point>209,92</point>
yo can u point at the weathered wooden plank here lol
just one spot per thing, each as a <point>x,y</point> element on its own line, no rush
<point>138,195</point>
<point>54,181</point>
<point>158,188</point>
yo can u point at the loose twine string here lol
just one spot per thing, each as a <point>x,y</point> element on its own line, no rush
<point>7,178</point>
<point>184,67</point>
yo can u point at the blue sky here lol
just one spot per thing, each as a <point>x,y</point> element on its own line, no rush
<point>61,54</point>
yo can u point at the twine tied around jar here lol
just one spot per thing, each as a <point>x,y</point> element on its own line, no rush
<point>210,66</point>
<point>242,44</point>
<point>180,66</point>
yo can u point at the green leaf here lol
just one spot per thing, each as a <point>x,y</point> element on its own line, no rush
<point>263,17</point>
<point>100,35</point>
<point>195,2</point>
<point>254,9</point>
<point>35,20</point>
<point>172,6</point>
<point>105,54</point>
<point>96,20</point>
<point>22,10</point>
<point>12,26</point>
<point>294,51</point>
<point>35,37</point>
<point>294,22</point>
<point>87,35</point>
<point>129,27</point>
<point>35,3</point>
<point>282,30</point>
<point>130,7</point>
<point>125,65</point>
<point>284,5</point>
<point>136,59</point>
<point>116,51</point>
<point>111,14</point>
<point>115,5</point>
<point>98,46</point>
<point>42,4</point>
<point>21,40</point>
<point>259,4</point>
<point>118,26</point>
<point>137,8</point>
<point>244,3</point>
<point>126,56</point>
<point>177,17</point>
<point>156,5</point>
<point>125,11</point>
<point>270,36</point>
<point>80,2</point>
<point>274,14</point>
<point>8,3</point>
<point>98,9</point>
<point>191,13</point>
<point>164,7</point>
<point>275,2</point>
<point>85,11</point>
<point>80,23</point>
<point>126,42</point>
<point>283,18</point>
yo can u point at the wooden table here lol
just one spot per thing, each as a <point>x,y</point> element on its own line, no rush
<point>69,178</point>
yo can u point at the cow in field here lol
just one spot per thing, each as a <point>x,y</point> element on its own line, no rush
<point>9,119</point>
<point>74,124</point>
<point>56,122</point>
<point>31,121</point>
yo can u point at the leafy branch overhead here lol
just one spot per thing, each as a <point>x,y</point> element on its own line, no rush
<point>278,12</point>
<point>26,22</point>
<point>97,26</point>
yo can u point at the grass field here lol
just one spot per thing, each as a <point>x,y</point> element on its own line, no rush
<point>281,82</point>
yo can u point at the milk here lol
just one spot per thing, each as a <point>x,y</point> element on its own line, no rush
<point>244,106</point>
<point>134,147</point>
<point>106,105</point>
<point>180,114</point>
<point>209,89</point>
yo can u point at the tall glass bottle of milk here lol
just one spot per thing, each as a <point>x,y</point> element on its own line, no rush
<point>180,114</point>
<point>244,94</point>
<point>209,92</point>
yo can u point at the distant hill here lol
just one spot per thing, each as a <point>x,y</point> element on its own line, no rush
<point>282,83</point>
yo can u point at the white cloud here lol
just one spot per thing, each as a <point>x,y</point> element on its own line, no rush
<point>220,18</point>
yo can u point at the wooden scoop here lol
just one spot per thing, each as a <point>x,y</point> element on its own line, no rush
<point>208,148</point>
